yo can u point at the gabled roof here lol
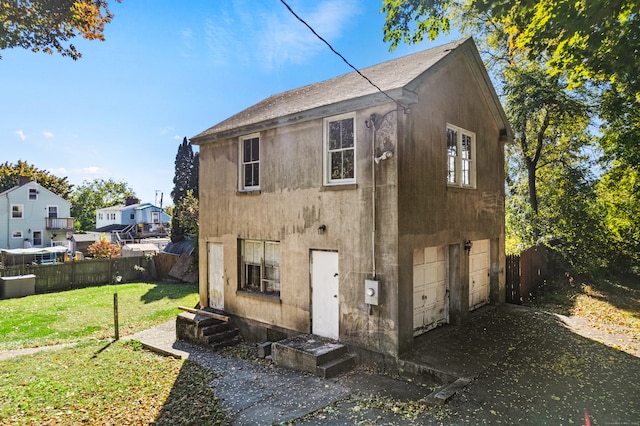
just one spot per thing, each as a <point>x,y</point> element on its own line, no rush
<point>347,92</point>
<point>30,184</point>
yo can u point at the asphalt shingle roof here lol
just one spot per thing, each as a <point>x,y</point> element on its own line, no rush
<point>393,74</point>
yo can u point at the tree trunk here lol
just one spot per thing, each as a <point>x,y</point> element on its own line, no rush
<point>531,175</point>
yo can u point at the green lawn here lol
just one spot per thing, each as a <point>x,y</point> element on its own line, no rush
<point>99,382</point>
<point>76,315</point>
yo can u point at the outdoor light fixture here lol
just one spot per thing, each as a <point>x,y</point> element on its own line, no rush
<point>384,156</point>
<point>467,245</point>
<point>321,229</point>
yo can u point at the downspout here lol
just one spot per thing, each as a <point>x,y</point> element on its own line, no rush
<point>373,196</point>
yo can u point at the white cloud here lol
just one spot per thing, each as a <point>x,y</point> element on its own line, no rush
<point>21,135</point>
<point>47,134</point>
<point>279,38</point>
<point>165,130</point>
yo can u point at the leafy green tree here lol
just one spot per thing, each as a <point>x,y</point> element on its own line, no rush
<point>94,195</point>
<point>184,181</point>
<point>47,25</point>
<point>548,120</point>
<point>9,174</point>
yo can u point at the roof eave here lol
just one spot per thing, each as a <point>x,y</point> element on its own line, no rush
<point>402,96</point>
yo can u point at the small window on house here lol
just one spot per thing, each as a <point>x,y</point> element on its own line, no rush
<point>339,150</point>
<point>52,211</point>
<point>132,216</point>
<point>155,217</point>
<point>249,163</point>
<point>17,211</point>
<point>100,216</point>
<point>16,234</point>
<point>260,266</point>
<point>461,147</point>
<point>33,194</point>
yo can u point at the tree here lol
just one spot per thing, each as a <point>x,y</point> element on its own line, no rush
<point>185,180</point>
<point>548,120</point>
<point>47,25</point>
<point>9,174</point>
<point>104,248</point>
<point>94,195</point>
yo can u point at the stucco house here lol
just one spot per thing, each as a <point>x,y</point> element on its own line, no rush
<point>33,216</point>
<point>132,220</point>
<point>362,215</point>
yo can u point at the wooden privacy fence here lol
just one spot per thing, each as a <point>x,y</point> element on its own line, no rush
<point>525,273</point>
<point>83,273</point>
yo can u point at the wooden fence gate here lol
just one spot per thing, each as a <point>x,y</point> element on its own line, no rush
<point>513,279</point>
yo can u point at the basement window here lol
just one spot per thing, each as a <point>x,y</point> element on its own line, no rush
<point>260,267</point>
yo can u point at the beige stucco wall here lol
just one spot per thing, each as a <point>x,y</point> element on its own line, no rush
<point>431,213</point>
<point>289,208</point>
<point>414,209</point>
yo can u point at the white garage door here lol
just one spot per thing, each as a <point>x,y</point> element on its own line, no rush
<point>430,295</point>
<point>479,263</point>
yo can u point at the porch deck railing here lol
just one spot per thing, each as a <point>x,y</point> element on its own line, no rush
<point>62,223</point>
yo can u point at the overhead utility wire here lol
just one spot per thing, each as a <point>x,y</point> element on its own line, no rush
<point>337,53</point>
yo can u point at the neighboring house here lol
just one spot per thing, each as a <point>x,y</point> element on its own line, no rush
<point>361,216</point>
<point>132,221</point>
<point>33,216</point>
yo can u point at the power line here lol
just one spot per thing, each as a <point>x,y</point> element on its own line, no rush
<point>337,53</point>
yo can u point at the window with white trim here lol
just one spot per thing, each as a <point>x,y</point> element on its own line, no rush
<point>249,179</point>
<point>339,150</point>
<point>260,266</point>
<point>52,211</point>
<point>461,153</point>
<point>17,211</point>
<point>33,194</point>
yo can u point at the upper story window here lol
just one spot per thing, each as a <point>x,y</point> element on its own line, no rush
<point>339,150</point>
<point>260,266</point>
<point>52,211</point>
<point>461,153</point>
<point>17,211</point>
<point>33,194</point>
<point>249,163</point>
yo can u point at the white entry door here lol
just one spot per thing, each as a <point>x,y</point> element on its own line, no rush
<point>216,275</point>
<point>324,294</point>
<point>479,263</point>
<point>430,295</point>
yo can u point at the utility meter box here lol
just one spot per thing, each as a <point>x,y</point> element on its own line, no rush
<point>371,290</point>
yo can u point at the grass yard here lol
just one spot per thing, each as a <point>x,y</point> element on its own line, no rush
<point>98,382</point>
<point>75,315</point>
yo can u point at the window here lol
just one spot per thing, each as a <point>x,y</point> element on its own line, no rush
<point>17,211</point>
<point>340,150</point>
<point>100,216</point>
<point>16,234</point>
<point>250,163</point>
<point>52,211</point>
<point>155,217</point>
<point>132,216</point>
<point>260,266</point>
<point>33,194</point>
<point>461,146</point>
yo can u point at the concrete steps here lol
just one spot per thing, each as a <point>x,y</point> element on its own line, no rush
<point>206,331</point>
<point>321,357</point>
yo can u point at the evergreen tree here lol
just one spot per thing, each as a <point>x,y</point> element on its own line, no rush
<point>184,181</point>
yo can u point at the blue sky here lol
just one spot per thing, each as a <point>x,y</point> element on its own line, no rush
<point>172,69</point>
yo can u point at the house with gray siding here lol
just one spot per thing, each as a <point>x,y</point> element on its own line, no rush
<point>33,216</point>
<point>361,215</point>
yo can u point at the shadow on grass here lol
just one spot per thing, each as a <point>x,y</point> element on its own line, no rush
<point>191,400</point>
<point>102,349</point>
<point>168,291</point>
